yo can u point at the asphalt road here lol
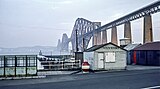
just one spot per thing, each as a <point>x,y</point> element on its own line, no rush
<point>106,80</point>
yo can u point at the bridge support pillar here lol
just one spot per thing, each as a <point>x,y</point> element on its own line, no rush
<point>99,42</point>
<point>114,35</point>
<point>147,30</point>
<point>104,37</point>
<point>94,42</point>
<point>96,35</point>
<point>59,45</point>
<point>127,31</point>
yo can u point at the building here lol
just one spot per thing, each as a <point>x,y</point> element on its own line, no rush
<point>129,47</point>
<point>124,42</point>
<point>106,57</point>
<point>147,54</point>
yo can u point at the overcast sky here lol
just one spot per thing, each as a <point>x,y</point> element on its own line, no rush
<point>42,22</point>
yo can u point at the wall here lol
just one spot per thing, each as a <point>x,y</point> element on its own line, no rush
<point>120,57</point>
<point>146,57</point>
<point>89,57</point>
<point>120,61</point>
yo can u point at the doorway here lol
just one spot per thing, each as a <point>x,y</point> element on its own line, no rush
<point>101,60</point>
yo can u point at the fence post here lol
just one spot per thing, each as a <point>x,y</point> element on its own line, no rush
<point>4,66</point>
<point>49,65</point>
<point>79,63</point>
<point>15,65</point>
<point>62,64</point>
<point>26,64</point>
<point>36,65</point>
<point>72,64</point>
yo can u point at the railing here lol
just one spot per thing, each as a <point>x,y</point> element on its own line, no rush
<point>61,65</point>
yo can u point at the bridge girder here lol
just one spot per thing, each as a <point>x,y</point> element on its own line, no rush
<point>147,10</point>
<point>81,27</point>
<point>85,29</point>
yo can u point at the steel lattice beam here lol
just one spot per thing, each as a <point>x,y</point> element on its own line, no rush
<point>85,29</point>
<point>150,9</point>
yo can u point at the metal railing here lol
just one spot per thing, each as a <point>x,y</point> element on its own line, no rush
<point>61,65</point>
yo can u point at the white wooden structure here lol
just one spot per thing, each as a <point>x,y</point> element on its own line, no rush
<point>106,57</point>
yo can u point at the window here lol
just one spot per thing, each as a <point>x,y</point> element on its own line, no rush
<point>21,61</point>
<point>110,57</point>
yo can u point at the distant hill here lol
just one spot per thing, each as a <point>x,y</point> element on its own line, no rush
<point>46,50</point>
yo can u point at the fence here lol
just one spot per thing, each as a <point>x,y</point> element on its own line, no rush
<point>18,65</point>
<point>61,65</point>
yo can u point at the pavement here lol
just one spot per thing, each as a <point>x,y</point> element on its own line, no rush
<point>129,67</point>
<point>43,74</point>
<point>129,79</point>
<point>141,67</point>
<point>28,77</point>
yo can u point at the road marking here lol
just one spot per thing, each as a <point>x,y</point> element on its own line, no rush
<point>154,87</point>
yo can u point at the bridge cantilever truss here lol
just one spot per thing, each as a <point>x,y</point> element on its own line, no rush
<point>81,27</point>
<point>86,29</point>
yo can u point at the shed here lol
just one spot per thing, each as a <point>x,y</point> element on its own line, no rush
<point>129,47</point>
<point>106,57</point>
<point>147,54</point>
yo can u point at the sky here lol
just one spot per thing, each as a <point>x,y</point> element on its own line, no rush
<point>43,22</point>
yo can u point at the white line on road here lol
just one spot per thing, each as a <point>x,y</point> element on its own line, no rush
<point>154,87</point>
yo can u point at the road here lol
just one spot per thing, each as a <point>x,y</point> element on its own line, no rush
<point>135,79</point>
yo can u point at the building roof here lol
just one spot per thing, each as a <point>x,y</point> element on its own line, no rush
<point>131,46</point>
<point>95,47</point>
<point>149,46</point>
